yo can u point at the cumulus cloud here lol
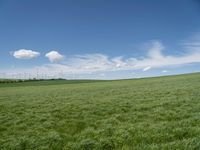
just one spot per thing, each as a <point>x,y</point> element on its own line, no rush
<point>25,54</point>
<point>54,56</point>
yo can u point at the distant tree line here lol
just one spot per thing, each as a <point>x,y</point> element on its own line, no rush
<point>25,80</point>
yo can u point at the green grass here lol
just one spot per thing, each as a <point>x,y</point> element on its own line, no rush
<point>152,113</point>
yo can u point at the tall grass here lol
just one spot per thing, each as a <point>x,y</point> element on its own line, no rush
<point>155,113</point>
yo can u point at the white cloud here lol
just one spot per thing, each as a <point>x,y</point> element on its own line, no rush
<point>54,56</point>
<point>92,63</point>
<point>118,61</point>
<point>99,62</point>
<point>155,52</point>
<point>25,54</point>
<point>160,60</point>
<point>164,71</point>
<point>147,68</point>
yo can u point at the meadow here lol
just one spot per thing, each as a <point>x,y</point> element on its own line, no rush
<point>147,114</point>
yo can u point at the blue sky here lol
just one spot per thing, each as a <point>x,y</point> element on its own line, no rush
<point>104,39</point>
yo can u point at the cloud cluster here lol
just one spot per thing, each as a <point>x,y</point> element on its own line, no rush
<point>25,54</point>
<point>91,63</point>
<point>54,56</point>
<point>154,59</point>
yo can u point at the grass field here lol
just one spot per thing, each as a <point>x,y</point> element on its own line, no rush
<point>152,113</point>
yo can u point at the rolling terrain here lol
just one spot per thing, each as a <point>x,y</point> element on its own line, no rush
<point>150,113</point>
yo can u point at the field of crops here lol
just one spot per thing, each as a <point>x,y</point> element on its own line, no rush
<point>152,113</point>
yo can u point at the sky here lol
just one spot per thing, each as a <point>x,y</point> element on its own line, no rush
<point>98,39</point>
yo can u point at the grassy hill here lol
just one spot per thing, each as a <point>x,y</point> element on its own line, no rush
<point>152,113</point>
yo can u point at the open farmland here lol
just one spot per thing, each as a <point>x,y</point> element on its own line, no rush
<point>152,113</point>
